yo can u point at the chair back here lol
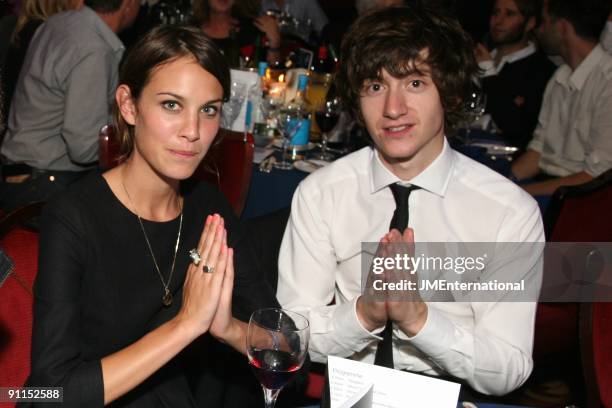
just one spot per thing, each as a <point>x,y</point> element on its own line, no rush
<point>596,352</point>
<point>108,148</point>
<point>575,214</point>
<point>20,243</point>
<point>229,165</point>
<point>581,213</point>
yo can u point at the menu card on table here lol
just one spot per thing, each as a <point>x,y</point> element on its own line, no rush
<point>358,385</point>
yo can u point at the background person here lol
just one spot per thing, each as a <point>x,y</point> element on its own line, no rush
<point>33,14</point>
<point>571,144</point>
<point>232,25</point>
<point>515,72</point>
<point>62,99</point>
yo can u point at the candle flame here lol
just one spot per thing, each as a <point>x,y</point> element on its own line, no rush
<point>281,78</point>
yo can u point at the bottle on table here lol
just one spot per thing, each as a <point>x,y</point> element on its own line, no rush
<point>297,114</point>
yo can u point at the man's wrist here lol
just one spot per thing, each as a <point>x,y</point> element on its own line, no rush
<point>413,326</point>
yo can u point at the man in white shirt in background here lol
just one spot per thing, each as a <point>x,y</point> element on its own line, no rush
<point>572,143</point>
<point>404,76</point>
<point>606,35</point>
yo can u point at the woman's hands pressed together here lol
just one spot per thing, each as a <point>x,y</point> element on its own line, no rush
<point>207,297</point>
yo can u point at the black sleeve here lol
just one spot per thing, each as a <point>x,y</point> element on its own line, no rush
<point>56,347</point>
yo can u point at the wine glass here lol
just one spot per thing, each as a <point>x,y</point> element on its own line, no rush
<point>231,108</point>
<point>277,344</point>
<point>475,106</point>
<point>327,117</point>
<point>289,123</point>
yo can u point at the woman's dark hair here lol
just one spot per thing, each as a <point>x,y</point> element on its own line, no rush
<point>397,39</point>
<point>160,46</point>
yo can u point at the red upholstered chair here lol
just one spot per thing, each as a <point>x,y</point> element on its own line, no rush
<point>575,214</point>
<point>596,351</point>
<point>108,148</point>
<point>20,243</point>
<point>228,163</point>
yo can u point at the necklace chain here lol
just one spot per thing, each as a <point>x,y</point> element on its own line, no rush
<point>167,298</point>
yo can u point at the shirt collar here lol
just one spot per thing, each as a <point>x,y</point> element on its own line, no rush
<point>516,55</point>
<point>103,29</point>
<point>576,79</point>
<point>434,178</point>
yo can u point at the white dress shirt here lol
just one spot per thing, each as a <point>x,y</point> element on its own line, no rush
<point>574,131</point>
<point>606,37</point>
<point>346,203</point>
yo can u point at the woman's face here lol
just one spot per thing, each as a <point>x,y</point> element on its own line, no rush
<point>175,118</point>
<point>220,6</point>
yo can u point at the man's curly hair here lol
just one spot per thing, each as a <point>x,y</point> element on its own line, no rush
<point>402,40</point>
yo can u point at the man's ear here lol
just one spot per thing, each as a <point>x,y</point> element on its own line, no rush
<point>125,102</point>
<point>565,28</point>
<point>531,25</point>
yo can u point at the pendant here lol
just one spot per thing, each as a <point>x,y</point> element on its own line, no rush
<point>167,299</point>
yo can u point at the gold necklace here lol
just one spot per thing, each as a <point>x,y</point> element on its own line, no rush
<point>167,297</point>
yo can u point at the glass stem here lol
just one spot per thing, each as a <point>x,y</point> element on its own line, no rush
<point>270,396</point>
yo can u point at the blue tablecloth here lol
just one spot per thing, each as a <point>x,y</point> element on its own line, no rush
<point>270,191</point>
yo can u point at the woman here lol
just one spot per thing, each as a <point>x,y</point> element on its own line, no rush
<point>33,14</point>
<point>231,26</point>
<point>118,295</point>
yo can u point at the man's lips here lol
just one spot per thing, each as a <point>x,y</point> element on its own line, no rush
<point>397,130</point>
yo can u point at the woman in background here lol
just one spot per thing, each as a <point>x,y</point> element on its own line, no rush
<point>234,24</point>
<point>33,14</point>
<point>136,264</point>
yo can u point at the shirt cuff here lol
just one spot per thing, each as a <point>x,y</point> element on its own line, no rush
<point>487,67</point>
<point>535,145</point>
<point>347,323</point>
<point>436,336</point>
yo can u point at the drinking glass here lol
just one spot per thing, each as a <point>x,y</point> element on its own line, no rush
<point>475,106</point>
<point>231,108</point>
<point>327,117</point>
<point>288,124</point>
<point>277,344</point>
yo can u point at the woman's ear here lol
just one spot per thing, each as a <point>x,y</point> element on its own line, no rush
<point>126,104</point>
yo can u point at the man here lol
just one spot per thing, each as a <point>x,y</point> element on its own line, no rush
<point>405,73</point>
<point>571,144</point>
<point>62,99</point>
<point>606,35</point>
<point>515,73</point>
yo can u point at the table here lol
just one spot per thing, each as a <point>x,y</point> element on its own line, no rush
<point>270,191</point>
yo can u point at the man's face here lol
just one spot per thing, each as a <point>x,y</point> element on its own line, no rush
<point>405,118</point>
<point>548,33</point>
<point>507,25</point>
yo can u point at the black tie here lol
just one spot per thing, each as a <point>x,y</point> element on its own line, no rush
<point>384,352</point>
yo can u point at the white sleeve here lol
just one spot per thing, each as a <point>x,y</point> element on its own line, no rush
<point>306,280</point>
<point>493,351</point>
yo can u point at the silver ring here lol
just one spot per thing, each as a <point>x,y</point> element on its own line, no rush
<point>208,269</point>
<point>195,256</point>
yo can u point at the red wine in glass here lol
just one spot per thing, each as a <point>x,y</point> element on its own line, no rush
<point>277,345</point>
<point>326,120</point>
<point>273,368</point>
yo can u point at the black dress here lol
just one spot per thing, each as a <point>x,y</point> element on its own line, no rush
<point>97,291</point>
